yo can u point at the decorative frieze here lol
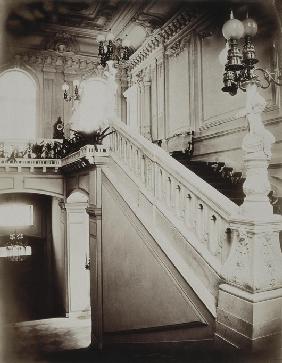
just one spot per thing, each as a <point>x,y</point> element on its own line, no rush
<point>54,61</point>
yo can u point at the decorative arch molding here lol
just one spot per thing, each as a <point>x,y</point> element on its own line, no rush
<point>18,183</point>
<point>21,66</point>
<point>32,191</point>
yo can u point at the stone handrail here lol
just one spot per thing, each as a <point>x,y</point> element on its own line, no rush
<point>181,195</point>
<point>88,152</point>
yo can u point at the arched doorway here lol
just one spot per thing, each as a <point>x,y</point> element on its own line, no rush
<point>26,287</point>
<point>78,254</point>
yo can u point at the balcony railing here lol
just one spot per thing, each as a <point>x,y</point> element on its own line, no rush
<point>45,154</point>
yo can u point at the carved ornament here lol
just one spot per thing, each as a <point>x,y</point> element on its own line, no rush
<point>62,43</point>
<point>255,260</point>
<point>163,36</point>
<point>53,61</point>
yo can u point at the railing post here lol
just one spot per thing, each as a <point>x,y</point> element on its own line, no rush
<point>249,305</point>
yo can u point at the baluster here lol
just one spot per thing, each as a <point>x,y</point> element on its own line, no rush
<point>120,147</point>
<point>177,200</point>
<point>188,210</point>
<point>137,162</point>
<point>159,188</point>
<point>214,233</point>
<point>200,220</point>
<point>168,199</point>
<point>143,169</point>
<point>117,143</point>
<point>130,157</point>
<point>125,158</point>
<point>164,188</point>
<point>150,177</point>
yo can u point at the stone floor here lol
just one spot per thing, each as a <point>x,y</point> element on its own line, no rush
<point>62,340</point>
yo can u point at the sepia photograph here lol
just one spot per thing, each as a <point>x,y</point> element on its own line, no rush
<point>140,181</point>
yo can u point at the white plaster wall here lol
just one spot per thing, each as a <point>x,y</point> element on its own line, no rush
<point>138,291</point>
<point>178,93</point>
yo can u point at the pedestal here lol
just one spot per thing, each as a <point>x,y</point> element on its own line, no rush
<point>249,302</point>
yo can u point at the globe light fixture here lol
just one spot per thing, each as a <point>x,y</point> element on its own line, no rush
<point>240,70</point>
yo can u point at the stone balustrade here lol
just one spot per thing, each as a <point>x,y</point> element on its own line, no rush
<point>18,154</point>
<point>189,201</point>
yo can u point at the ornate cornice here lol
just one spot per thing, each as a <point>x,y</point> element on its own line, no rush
<point>68,62</point>
<point>175,30</point>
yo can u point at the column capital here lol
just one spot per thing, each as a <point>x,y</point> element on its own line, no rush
<point>62,205</point>
<point>94,212</point>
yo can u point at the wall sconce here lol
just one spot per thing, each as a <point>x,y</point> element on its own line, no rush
<point>240,70</point>
<point>87,262</point>
<point>66,91</point>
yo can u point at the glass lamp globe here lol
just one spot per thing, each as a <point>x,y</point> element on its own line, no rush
<point>250,27</point>
<point>76,83</point>
<point>100,38</point>
<point>233,28</point>
<point>65,86</point>
<point>126,42</point>
<point>222,57</point>
<point>110,36</point>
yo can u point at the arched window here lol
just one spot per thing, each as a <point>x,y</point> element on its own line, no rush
<point>17,105</point>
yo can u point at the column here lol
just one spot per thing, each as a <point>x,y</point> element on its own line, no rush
<point>77,257</point>
<point>147,132</point>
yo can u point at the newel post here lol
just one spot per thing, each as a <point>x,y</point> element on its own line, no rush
<point>250,300</point>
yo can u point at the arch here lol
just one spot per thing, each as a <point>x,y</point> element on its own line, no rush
<point>19,104</point>
<point>31,191</point>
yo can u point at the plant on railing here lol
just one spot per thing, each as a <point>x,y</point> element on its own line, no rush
<point>81,138</point>
<point>53,149</point>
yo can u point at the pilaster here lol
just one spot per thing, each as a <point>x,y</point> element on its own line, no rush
<point>96,288</point>
<point>94,211</point>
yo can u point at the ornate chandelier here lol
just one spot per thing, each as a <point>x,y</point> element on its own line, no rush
<point>16,249</point>
<point>116,50</point>
<point>240,70</point>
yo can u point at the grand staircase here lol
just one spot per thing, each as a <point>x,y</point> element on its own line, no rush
<point>217,174</point>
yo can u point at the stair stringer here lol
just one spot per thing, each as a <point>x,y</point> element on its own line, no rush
<point>187,284</point>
